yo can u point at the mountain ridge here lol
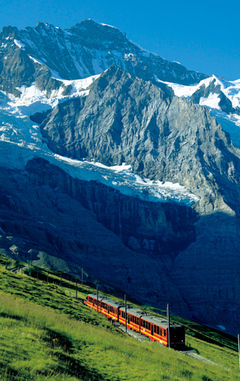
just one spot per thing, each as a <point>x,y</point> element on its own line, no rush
<point>68,54</point>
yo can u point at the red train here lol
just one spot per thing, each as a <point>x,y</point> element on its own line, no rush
<point>154,327</point>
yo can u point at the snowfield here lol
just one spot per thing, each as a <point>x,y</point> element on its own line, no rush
<point>21,141</point>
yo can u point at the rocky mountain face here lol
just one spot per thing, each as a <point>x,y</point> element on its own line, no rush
<point>159,252</point>
<point>125,119</point>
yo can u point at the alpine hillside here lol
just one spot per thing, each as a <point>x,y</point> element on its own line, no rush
<point>118,161</point>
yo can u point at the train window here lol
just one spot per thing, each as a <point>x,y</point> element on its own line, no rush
<point>90,299</point>
<point>143,323</point>
<point>137,321</point>
<point>161,332</point>
<point>165,332</point>
<point>157,330</point>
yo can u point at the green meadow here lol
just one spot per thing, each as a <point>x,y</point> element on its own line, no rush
<point>47,334</point>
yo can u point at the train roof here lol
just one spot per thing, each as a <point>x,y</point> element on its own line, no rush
<point>112,302</point>
<point>134,311</point>
<point>157,320</point>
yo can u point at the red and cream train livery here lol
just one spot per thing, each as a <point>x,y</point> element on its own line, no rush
<point>156,328</point>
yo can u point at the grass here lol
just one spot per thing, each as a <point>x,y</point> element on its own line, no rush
<point>47,335</point>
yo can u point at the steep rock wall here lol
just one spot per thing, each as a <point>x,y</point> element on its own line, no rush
<point>154,228</point>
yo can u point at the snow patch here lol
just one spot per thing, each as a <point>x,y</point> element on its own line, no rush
<point>36,61</point>
<point>212,101</point>
<point>19,44</point>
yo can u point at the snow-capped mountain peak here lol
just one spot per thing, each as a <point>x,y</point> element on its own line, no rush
<point>220,96</point>
<point>81,51</point>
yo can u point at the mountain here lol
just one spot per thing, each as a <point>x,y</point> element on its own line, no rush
<point>125,119</point>
<point>46,53</point>
<point>106,165</point>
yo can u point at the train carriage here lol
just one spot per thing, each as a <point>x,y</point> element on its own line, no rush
<point>154,327</point>
<point>106,306</point>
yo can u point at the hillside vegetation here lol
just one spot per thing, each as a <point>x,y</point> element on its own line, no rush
<point>47,334</point>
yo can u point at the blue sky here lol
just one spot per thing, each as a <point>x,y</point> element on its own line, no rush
<point>202,36</point>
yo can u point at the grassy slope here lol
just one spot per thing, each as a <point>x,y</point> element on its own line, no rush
<point>47,335</point>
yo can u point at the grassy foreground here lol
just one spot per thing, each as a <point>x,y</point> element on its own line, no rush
<point>47,335</point>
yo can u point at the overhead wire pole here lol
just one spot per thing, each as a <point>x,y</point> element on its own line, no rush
<point>239,349</point>
<point>168,319</point>
<point>125,300</point>
<point>97,298</point>
<point>76,287</point>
